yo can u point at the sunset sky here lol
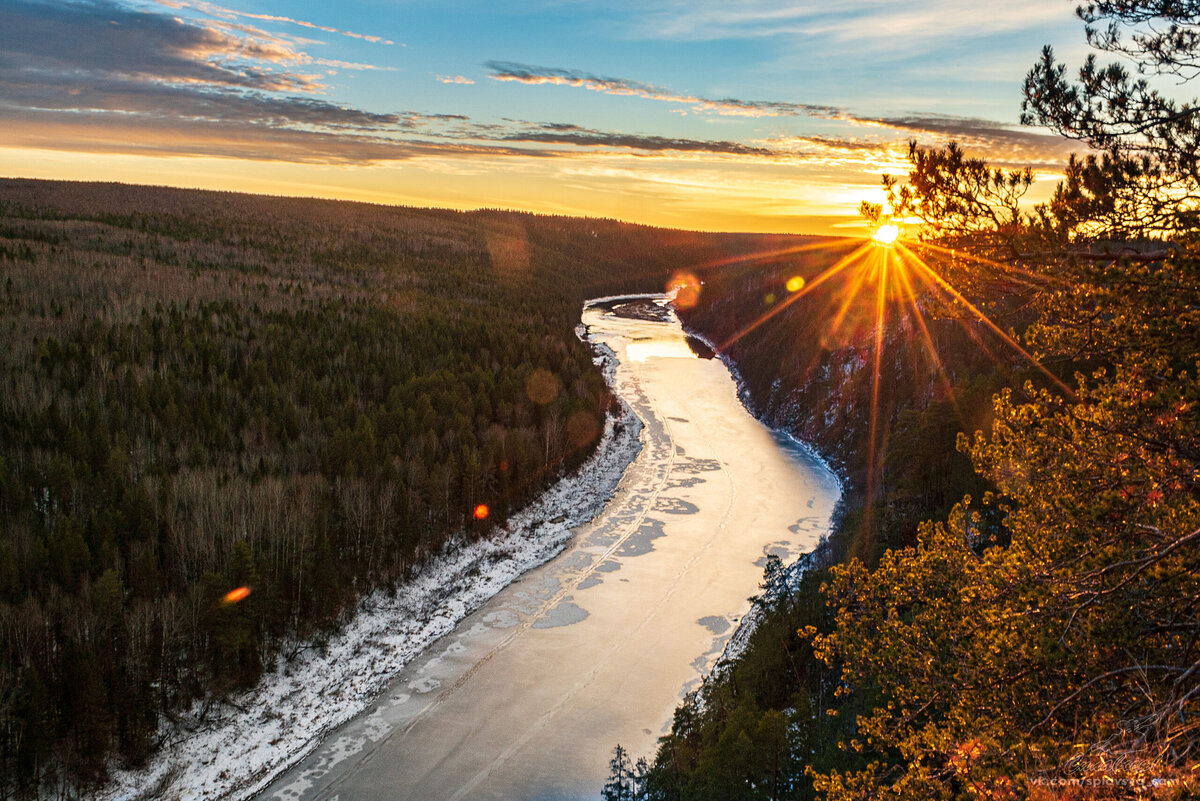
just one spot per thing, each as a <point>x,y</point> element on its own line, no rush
<point>746,115</point>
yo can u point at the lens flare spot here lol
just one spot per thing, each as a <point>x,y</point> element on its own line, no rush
<point>686,289</point>
<point>508,248</point>
<point>795,284</point>
<point>233,596</point>
<point>582,428</point>
<point>769,299</point>
<point>542,386</point>
<point>481,512</point>
<point>886,234</point>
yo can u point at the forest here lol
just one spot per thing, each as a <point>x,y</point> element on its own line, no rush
<point>1009,604</point>
<point>226,418</point>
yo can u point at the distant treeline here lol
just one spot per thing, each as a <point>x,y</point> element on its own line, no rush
<point>205,391</point>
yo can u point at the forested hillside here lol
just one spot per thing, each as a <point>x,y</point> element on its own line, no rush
<point>806,361</point>
<point>208,391</point>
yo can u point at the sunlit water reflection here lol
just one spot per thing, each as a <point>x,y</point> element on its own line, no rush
<point>527,696</point>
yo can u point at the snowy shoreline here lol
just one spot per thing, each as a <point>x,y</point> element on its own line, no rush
<point>234,749</point>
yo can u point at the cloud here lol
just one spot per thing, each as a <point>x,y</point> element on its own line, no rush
<point>108,78</point>
<point>181,137</point>
<point>528,74</point>
<point>102,38</point>
<point>348,65</point>
<point>844,21</point>
<point>213,10</point>
<point>101,76</point>
<point>454,79</point>
<point>138,100</point>
<point>330,139</point>
<point>567,134</point>
<point>1004,145</point>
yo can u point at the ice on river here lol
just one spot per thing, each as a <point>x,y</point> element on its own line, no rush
<point>527,696</point>
<point>468,684</point>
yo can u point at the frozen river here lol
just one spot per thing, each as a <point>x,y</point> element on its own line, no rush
<point>526,698</point>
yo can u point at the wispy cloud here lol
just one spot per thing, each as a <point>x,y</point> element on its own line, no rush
<point>107,77</point>
<point>1005,145</point>
<point>917,24</point>
<point>998,141</point>
<point>214,10</point>
<point>348,65</point>
<point>102,38</point>
<point>180,137</point>
<point>138,101</point>
<point>104,76</point>
<point>577,136</point>
<point>886,149</point>
<point>529,74</point>
<point>332,141</point>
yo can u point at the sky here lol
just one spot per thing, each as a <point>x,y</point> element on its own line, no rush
<point>737,115</point>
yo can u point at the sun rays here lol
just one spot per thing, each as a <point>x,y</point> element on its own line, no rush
<point>883,293</point>
<point>884,258</point>
<point>941,283</point>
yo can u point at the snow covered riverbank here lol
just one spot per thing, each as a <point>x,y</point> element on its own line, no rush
<point>233,749</point>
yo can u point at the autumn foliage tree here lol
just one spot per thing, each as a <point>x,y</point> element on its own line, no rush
<point>1064,642</point>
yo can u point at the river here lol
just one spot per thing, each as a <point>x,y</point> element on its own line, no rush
<point>526,698</point>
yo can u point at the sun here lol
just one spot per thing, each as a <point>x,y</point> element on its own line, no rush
<point>886,234</point>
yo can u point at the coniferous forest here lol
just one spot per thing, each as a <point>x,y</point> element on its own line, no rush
<point>207,391</point>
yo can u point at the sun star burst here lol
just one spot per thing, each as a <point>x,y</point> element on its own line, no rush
<point>886,234</point>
